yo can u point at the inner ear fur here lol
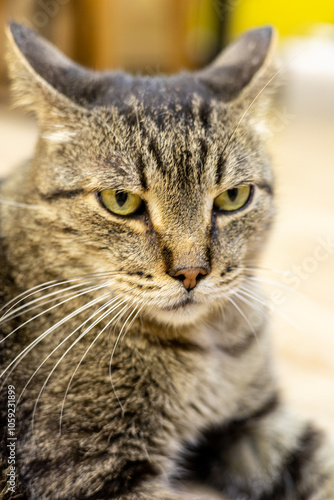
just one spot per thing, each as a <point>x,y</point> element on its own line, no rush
<point>244,67</point>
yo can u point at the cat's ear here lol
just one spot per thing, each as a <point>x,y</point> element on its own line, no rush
<point>244,67</point>
<point>43,80</point>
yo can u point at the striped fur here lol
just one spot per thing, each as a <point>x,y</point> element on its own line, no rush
<point>177,398</point>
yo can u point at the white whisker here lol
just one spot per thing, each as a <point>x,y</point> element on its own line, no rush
<point>250,293</point>
<point>26,307</point>
<point>250,105</point>
<point>275,283</point>
<point>107,304</point>
<point>20,205</point>
<point>33,290</point>
<point>87,330</point>
<point>243,315</point>
<point>50,284</point>
<point>260,268</point>
<point>111,357</point>
<point>252,305</point>
<point>36,341</point>
<point>84,355</point>
<point>92,289</point>
<point>16,312</point>
<point>115,345</point>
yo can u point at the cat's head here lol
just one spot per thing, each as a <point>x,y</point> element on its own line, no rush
<point>161,181</point>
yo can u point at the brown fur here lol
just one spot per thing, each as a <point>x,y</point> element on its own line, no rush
<point>190,408</point>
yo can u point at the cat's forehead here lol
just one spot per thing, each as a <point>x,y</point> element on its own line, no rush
<point>161,106</point>
<point>170,128</point>
<point>168,131</point>
<point>152,95</point>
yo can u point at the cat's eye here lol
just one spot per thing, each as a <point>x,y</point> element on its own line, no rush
<point>120,202</point>
<point>233,199</point>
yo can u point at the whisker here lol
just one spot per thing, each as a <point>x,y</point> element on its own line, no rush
<point>243,315</point>
<point>134,318</point>
<point>35,288</point>
<point>111,357</point>
<point>87,330</point>
<point>36,341</point>
<point>26,307</point>
<point>16,312</point>
<point>115,345</point>
<point>249,107</point>
<point>84,355</point>
<point>50,284</point>
<point>261,268</point>
<point>275,283</point>
<point>20,205</point>
<point>252,305</point>
<point>246,291</point>
<point>235,148</point>
<point>127,329</point>
<point>93,289</point>
<point>107,304</point>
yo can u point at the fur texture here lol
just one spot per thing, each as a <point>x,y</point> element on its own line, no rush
<point>132,386</point>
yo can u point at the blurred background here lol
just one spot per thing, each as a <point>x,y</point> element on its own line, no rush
<point>164,36</point>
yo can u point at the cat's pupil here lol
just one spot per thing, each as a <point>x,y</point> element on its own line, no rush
<point>233,193</point>
<point>121,197</point>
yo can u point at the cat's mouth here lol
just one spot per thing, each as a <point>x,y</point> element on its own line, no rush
<point>183,312</point>
<point>181,304</point>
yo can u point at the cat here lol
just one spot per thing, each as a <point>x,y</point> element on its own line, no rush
<point>133,347</point>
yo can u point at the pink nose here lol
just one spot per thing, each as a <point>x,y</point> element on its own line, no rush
<point>190,277</point>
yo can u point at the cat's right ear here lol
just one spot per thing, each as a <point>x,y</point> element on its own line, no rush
<point>245,67</point>
<point>43,80</point>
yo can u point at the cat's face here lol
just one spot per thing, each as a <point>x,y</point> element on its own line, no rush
<point>189,158</point>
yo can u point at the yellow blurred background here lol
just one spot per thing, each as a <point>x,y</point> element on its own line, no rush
<point>154,36</point>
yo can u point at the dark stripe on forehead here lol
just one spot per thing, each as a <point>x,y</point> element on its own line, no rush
<point>185,112</point>
<point>153,148</point>
<point>203,147</point>
<point>62,193</point>
<point>204,114</point>
<point>221,167</point>
<point>201,162</point>
<point>187,161</point>
<point>131,116</point>
<point>140,164</point>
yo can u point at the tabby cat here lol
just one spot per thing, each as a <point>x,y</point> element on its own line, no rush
<point>133,340</point>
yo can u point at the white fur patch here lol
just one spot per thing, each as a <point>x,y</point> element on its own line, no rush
<point>59,136</point>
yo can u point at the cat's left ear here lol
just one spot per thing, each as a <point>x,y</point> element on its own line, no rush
<point>245,67</point>
<point>44,80</point>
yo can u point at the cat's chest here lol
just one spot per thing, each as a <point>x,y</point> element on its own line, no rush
<point>196,388</point>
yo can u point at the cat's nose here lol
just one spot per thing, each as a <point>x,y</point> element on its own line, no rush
<point>190,277</point>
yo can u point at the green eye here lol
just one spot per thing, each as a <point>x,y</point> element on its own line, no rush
<point>120,202</point>
<point>233,199</point>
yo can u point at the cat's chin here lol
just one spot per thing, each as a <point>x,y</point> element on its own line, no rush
<point>187,314</point>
